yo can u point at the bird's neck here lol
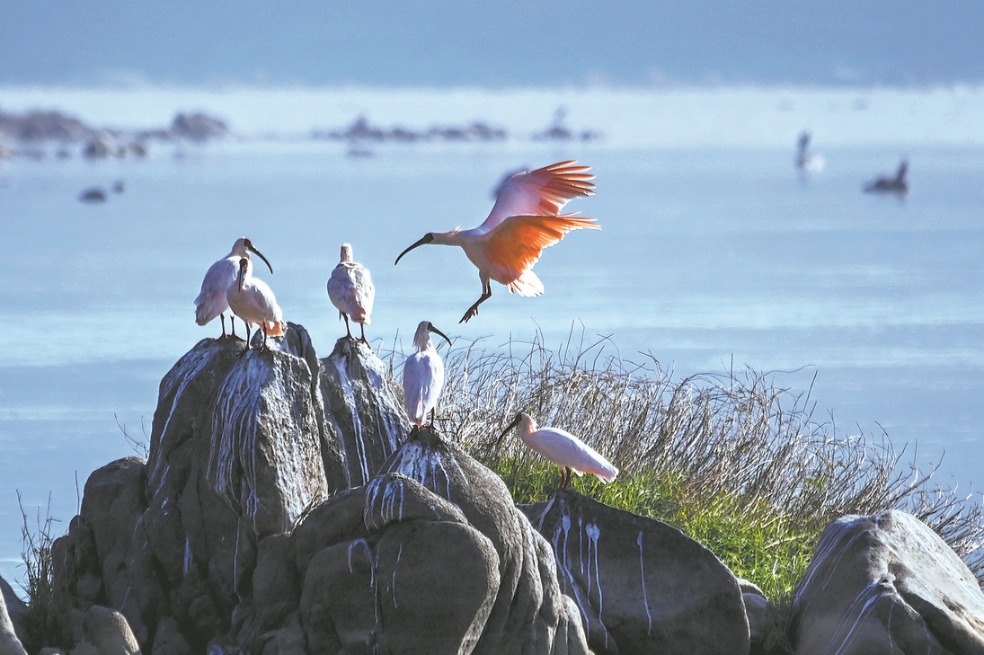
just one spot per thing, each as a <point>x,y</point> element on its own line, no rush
<point>451,238</point>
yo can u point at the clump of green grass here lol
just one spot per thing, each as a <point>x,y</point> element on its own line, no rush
<point>735,460</point>
<point>39,625</point>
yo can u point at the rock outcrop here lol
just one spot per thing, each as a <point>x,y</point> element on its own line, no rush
<point>884,584</point>
<point>286,507</point>
<point>641,585</point>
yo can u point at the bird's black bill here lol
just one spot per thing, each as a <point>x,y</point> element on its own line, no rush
<point>509,427</point>
<point>260,255</point>
<point>430,327</point>
<point>427,238</point>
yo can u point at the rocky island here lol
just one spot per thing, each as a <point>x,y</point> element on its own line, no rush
<point>286,506</point>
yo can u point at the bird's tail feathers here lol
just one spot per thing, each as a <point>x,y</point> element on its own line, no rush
<point>275,329</point>
<point>526,285</point>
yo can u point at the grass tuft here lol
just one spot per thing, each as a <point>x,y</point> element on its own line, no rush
<point>735,460</point>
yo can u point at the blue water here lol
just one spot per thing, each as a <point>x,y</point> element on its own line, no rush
<point>709,258</point>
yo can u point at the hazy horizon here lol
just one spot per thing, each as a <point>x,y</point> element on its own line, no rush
<point>506,44</point>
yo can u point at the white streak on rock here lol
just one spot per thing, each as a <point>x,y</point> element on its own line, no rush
<point>642,578</point>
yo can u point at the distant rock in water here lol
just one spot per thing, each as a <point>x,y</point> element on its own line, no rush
<point>198,126</point>
<point>93,195</point>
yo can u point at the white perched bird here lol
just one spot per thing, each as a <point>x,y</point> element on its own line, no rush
<point>423,376</point>
<point>351,291</point>
<point>220,277</point>
<point>563,449</point>
<point>253,301</point>
<point>524,220</point>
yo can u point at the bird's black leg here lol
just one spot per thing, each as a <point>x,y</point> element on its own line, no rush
<point>263,326</point>
<point>362,327</point>
<point>222,318</point>
<point>347,330</point>
<point>473,310</point>
<point>433,415</point>
<point>232,323</point>
<point>565,477</point>
<point>247,338</point>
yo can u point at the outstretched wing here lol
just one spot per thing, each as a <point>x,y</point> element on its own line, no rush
<point>517,243</point>
<point>542,192</point>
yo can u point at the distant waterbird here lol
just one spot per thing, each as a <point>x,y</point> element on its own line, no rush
<point>563,449</point>
<point>524,220</point>
<point>423,376</point>
<point>806,160</point>
<point>221,276</point>
<point>888,184</point>
<point>351,291</point>
<point>253,301</point>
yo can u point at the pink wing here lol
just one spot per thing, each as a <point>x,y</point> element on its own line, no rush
<point>542,192</point>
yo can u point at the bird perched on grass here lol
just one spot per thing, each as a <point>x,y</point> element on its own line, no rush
<point>351,291</point>
<point>253,301</point>
<point>423,376</point>
<point>524,220</point>
<point>220,277</point>
<point>563,449</point>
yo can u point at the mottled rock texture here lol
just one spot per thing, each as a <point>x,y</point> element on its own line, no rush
<point>886,583</point>
<point>641,586</point>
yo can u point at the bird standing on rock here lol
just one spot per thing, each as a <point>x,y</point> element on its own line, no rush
<point>221,277</point>
<point>423,376</point>
<point>563,449</point>
<point>524,220</point>
<point>253,301</point>
<point>351,291</point>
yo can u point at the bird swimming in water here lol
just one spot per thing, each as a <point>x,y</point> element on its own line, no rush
<point>524,220</point>
<point>887,184</point>
<point>351,291</point>
<point>563,449</point>
<point>423,376</point>
<point>221,276</point>
<point>253,301</point>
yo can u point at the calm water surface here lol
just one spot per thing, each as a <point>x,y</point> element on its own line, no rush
<point>709,259</point>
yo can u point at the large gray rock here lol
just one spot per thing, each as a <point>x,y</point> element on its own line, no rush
<point>10,643</point>
<point>13,614</point>
<point>361,409</point>
<point>641,586</point>
<point>887,584</point>
<point>430,557</point>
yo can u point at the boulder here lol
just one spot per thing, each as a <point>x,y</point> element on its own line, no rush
<point>13,614</point>
<point>363,412</point>
<point>10,643</point>
<point>529,614</point>
<point>430,557</point>
<point>641,586</point>
<point>198,127</point>
<point>887,583</point>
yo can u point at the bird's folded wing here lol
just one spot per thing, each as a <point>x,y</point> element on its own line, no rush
<point>517,243</point>
<point>542,192</point>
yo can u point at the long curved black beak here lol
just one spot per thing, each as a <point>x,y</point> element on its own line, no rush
<point>431,328</point>
<point>427,238</point>
<point>509,427</point>
<point>243,265</point>
<point>260,255</point>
